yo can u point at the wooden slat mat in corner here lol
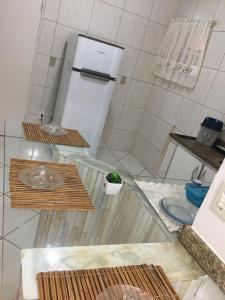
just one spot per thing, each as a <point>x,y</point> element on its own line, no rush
<point>88,284</point>
<point>71,196</point>
<point>33,132</point>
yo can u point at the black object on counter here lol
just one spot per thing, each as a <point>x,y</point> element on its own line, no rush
<point>213,124</point>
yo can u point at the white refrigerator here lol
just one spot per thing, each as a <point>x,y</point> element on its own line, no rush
<point>89,73</point>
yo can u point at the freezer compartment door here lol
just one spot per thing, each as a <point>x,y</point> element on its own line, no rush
<point>97,56</point>
<point>87,104</point>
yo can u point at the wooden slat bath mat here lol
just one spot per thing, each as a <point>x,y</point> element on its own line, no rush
<point>71,196</point>
<point>88,284</point>
<point>33,132</point>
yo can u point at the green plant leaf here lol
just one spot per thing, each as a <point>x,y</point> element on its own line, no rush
<point>114,177</point>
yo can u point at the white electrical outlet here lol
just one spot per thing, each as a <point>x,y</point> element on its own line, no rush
<point>218,204</point>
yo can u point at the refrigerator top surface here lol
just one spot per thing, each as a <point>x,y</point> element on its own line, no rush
<point>99,56</point>
<point>101,41</point>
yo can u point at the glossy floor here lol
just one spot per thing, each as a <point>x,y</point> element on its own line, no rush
<point>18,226</point>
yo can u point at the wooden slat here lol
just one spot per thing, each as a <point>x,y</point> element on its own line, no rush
<point>71,196</point>
<point>33,132</point>
<point>88,284</point>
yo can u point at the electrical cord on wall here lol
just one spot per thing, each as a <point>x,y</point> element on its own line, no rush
<point>42,116</point>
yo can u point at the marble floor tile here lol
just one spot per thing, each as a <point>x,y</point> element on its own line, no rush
<point>24,236</point>
<point>14,218</point>
<point>145,173</point>
<point>133,166</point>
<point>1,178</point>
<point>120,154</point>
<point>1,154</point>
<point>106,156</point>
<point>119,166</point>
<point>11,270</point>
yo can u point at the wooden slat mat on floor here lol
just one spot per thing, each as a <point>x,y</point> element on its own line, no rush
<point>71,196</point>
<point>88,284</point>
<point>33,132</point>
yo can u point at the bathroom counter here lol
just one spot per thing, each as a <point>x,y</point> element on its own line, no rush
<point>178,265</point>
<point>210,156</point>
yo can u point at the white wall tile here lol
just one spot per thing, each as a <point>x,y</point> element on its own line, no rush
<point>169,108</point>
<point>215,51</point>
<point>61,37</point>
<point>163,11</point>
<point>139,147</point>
<point>123,140</point>
<point>118,3</point>
<point>186,8</point>
<point>48,105</point>
<point>202,87</point>
<point>187,116</point>
<point>151,157</point>
<point>105,20</point>
<point>130,118</point>
<point>41,69</point>
<point>36,98</point>
<point>131,31</point>
<point>216,95</point>
<point>153,37</point>
<point>144,67</point>
<point>46,37</point>
<point>138,93</point>
<point>120,91</point>
<point>206,9</point>
<point>108,135</point>
<point>52,9</point>
<point>147,125</point>
<point>160,134</point>
<point>155,100</point>
<point>141,7</point>
<point>76,13</point>
<point>33,118</point>
<point>54,74</point>
<point>220,16</point>
<point>113,115</point>
<point>129,60</point>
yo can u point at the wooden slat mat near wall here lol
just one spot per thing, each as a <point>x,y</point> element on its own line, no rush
<point>89,284</point>
<point>33,132</point>
<point>71,196</point>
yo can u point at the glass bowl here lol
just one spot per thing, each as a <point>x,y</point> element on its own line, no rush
<point>54,129</point>
<point>41,177</point>
<point>123,292</point>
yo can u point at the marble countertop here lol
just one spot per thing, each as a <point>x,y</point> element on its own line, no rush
<point>157,191</point>
<point>177,263</point>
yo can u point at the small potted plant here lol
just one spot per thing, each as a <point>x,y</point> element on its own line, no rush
<point>113,183</point>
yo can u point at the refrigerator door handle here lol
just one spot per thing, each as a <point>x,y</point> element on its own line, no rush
<point>94,74</point>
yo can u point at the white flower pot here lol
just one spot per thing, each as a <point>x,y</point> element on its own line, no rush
<point>112,188</point>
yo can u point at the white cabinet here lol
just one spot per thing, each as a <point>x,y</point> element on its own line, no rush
<point>178,163</point>
<point>184,166</point>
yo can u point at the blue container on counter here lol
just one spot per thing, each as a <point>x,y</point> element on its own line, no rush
<point>196,193</point>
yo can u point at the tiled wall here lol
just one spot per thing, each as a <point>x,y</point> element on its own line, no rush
<point>138,25</point>
<point>170,106</point>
